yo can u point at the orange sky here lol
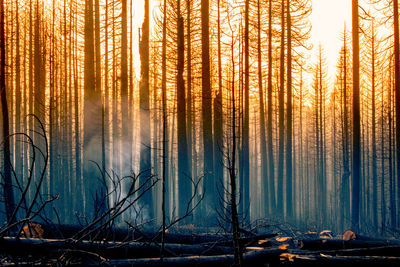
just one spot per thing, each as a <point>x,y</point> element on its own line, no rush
<point>327,21</point>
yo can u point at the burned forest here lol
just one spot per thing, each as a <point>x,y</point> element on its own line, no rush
<point>199,133</point>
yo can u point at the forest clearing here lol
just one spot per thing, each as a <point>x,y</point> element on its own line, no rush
<point>200,133</point>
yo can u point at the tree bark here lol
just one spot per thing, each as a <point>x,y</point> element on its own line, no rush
<point>8,187</point>
<point>289,123</point>
<point>92,114</point>
<point>244,178</point>
<point>397,85</point>
<point>281,113</point>
<point>145,149</point>
<point>356,170</point>
<point>209,180</point>
<point>263,144</point>
<point>218,112</point>
<point>271,171</point>
<point>184,177</point>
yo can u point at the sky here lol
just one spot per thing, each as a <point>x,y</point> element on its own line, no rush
<point>327,19</point>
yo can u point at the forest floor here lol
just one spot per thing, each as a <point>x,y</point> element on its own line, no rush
<point>48,246</point>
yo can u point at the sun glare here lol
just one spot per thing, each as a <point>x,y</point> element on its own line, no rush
<point>328,20</point>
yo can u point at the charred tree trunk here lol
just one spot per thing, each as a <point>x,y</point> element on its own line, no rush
<point>289,182</point>
<point>232,176</point>
<point>281,113</point>
<point>345,194</point>
<point>189,123</point>
<point>8,187</point>
<point>18,96</point>
<point>271,167</point>
<point>264,165</point>
<point>374,167</point>
<point>126,148</point>
<point>218,114</point>
<point>145,153</point>
<point>209,180</point>
<point>356,170</point>
<point>244,178</point>
<point>184,179</point>
<point>92,113</point>
<point>165,194</point>
<point>397,86</point>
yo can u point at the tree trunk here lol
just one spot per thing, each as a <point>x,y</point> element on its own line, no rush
<point>92,114</point>
<point>356,171</point>
<point>189,101</point>
<point>345,195</point>
<point>126,148</point>
<point>263,144</point>
<point>184,179</point>
<point>165,191</point>
<point>218,113</point>
<point>281,113</point>
<point>209,180</point>
<point>145,149</point>
<point>244,178</point>
<point>271,171</point>
<point>18,93</point>
<point>397,85</point>
<point>374,167</point>
<point>8,187</point>
<point>289,182</point>
<point>238,257</point>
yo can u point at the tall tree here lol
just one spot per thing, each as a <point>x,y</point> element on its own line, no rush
<point>356,170</point>
<point>244,179</point>
<point>185,188</point>
<point>18,92</point>
<point>8,188</point>
<point>209,181</point>
<point>373,126</point>
<point>281,112</point>
<point>39,81</point>
<point>263,144</point>
<point>271,167</point>
<point>92,112</point>
<point>98,72</point>
<point>289,123</point>
<point>345,194</point>
<point>126,147</point>
<point>97,46</point>
<point>145,149</point>
<point>189,114</point>
<point>397,84</point>
<point>78,168</point>
<point>218,113</point>
<point>165,166</point>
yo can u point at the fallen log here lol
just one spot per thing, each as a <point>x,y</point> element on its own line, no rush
<point>53,231</point>
<point>327,260</point>
<point>253,258</point>
<point>336,244</point>
<point>371,251</point>
<point>361,259</point>
<point>24,246</point>
<point>245,241</point>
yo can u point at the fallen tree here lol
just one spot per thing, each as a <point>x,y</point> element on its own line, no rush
<point>54,231</point>
<point>327,260</point>
<point>336,244</point>
<point>24,246</point>
<point>253,258</point>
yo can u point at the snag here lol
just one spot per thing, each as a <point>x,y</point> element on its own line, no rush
<point>32,230</point>
<point>349,235</point>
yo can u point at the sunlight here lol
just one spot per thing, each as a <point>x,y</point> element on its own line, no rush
<point>328,19</point>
